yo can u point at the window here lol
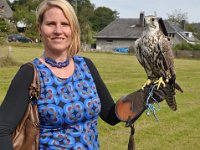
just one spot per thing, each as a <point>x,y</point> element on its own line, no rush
<point>109,40</point>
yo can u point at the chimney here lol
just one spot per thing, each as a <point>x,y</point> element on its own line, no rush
<point>183,23</point>
<point>142,19</point>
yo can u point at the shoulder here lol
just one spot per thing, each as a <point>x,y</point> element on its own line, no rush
<point>87,60</point>
<point>26,68</point>
<point>25,74</point>
<point>26,71</point>
<point>89,63</point>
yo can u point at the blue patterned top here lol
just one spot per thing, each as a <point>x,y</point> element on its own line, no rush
<point>68,109</point>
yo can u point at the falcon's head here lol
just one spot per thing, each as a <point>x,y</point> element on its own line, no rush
<point>151,22</point>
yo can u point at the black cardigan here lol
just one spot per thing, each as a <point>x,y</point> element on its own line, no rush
<point>16,101</point>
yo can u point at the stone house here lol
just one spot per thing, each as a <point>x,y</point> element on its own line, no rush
<point>122,32</point>
<point>5,10</point>
<point>177,33</point>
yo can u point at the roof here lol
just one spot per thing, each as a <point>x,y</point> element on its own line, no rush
<point>169,27</point>
<point>5,10</point>
<point>176,28</point>
<point>125,28</point>
<point>129,28</point>
<point>121,28</point>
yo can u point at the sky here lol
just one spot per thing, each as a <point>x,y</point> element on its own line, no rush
<point>132,8</point>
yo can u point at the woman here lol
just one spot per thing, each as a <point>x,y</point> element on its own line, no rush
<point>73,94</point>
<point>70,102</point>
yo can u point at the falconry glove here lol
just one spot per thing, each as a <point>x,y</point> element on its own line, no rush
<point>129,108</point>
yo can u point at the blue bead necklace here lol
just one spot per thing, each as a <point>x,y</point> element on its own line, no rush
<point>53,63</point>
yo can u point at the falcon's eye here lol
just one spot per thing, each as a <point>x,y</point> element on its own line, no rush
<point>152,19</point>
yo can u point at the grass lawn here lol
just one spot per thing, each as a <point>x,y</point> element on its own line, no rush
<point>122,74</point>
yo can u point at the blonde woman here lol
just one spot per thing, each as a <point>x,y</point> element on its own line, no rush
<point>73,94</point>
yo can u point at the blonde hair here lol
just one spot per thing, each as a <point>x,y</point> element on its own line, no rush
<point>69,13</point>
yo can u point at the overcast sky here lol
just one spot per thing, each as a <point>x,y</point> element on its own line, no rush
<point>132,8</point>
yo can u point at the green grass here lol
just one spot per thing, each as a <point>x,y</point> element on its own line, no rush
<point>122,74</point>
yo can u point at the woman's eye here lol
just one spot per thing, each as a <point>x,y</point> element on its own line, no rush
<point>50,23</point>
<point>65,24</point>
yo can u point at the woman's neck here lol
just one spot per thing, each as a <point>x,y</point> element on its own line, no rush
<point>57,56</point>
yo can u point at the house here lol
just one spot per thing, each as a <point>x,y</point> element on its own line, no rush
<point>5,10</point>
<point>122,32</point>
<point>177,33</point>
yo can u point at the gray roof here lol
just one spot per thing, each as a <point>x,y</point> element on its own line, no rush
<point>176,28</point>
<point>121,28</point>
<point>5,10</point>
<point>169,28</point>
<point>129,28</point>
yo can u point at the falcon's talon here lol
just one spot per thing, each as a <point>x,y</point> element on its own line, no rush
<point>160,82</point>
<point>148,82</point>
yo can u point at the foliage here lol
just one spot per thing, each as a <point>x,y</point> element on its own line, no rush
<point>85,11</point>
<point>187,46</point>
<point>91,20</point>
<point>177,16</point>
<point>4,26</point>
<point>7,62</point>
<point>24,10</point>
<point>5,29</point>
<point>102,17</point>
<point>195,28</point>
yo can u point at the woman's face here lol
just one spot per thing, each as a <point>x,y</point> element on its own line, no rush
<point>55,30</point>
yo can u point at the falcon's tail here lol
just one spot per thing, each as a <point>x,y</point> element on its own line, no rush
<point>171,99</point>
<point>178,87</point>
<point>173,82</point>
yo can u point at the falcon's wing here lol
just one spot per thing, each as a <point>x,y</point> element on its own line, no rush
<point>166,49</point>
<point>138,50</point>
<point>142,53</point>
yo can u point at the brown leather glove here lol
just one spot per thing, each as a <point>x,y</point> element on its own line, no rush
<point>129,108</point>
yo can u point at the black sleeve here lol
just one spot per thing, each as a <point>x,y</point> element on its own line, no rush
<point>14,105</point>
<point>107,103</point>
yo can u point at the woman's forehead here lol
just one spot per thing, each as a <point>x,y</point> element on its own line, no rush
<point>54,13</point>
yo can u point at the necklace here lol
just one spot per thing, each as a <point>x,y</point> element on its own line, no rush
<point>53,63</point>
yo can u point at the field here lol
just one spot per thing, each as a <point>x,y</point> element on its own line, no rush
<point>122,74</point>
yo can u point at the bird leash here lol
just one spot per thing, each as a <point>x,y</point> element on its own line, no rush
<point>150,108</point>
<point>131,143</point>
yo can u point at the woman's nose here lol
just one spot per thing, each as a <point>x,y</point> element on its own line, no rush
<point>58,29</point>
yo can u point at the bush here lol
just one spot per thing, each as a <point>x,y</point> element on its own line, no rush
<point>7,62</point>
<point>187,46</point>
<point>4,26</point>
<point>196,47</point>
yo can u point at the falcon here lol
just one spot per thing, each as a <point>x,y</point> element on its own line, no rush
<point>154,53</point>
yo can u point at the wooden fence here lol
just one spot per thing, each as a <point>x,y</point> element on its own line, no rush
<point>187,54</point>
<point>180,53</point>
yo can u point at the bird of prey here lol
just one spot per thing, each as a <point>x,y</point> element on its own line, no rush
<point>154,52</point>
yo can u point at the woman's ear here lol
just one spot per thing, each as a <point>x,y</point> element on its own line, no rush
<point>40,33</point>
<point>39,30</point>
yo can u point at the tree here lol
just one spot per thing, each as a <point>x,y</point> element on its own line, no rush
<point>4,26</point>
<point>102,17</point>
<point>195,28</point>
<point>24,10</point>
<point>85,11</point>
<point>90,19</point>
<point>177,16</point>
